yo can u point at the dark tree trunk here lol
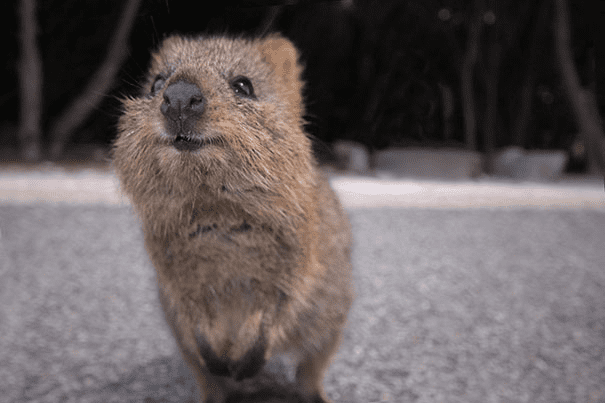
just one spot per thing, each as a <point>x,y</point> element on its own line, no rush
<point>98,86</point>
<point>492,76</point>
<point>583,101</point>
<point>529,81</point>
<point>30,84</point>
<point>466,79</point>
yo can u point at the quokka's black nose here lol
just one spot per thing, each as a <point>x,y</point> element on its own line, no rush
<point>183,103</point>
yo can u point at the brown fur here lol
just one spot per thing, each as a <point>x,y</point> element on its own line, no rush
<point>250,244</point>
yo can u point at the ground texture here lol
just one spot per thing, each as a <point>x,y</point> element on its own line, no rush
<point>468,305</point>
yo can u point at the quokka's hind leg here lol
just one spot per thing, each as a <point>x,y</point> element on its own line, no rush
<point>311,370</point>
<point>213,388</point>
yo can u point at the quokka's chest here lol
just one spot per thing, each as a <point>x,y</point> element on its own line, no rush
<point>210,249</point>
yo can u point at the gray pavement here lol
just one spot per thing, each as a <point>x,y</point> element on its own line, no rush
<point>453,305</point>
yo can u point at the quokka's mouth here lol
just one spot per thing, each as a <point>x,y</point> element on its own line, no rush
<point>187,143</point>
<point>183,142</point>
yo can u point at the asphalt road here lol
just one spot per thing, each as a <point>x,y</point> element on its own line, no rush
<point>453,305</point>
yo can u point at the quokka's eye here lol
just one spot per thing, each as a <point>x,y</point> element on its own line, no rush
<point>243,87</point>
<point>158,83</point>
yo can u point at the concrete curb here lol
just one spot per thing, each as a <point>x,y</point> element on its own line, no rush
<point>101,186</point>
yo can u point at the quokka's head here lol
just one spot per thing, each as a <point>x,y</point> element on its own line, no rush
<point>217,112</point>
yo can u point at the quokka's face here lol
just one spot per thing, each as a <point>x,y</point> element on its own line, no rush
<point>217,102</point>
<point>217,118</point>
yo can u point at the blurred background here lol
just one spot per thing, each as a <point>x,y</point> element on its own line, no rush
<point>474,290</point>
<point>493,81</point>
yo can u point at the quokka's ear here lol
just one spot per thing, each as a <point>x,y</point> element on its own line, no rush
<point>282,56</point>
<point>167,47</point>
<point>171,41</point>
<point>171,44</point>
